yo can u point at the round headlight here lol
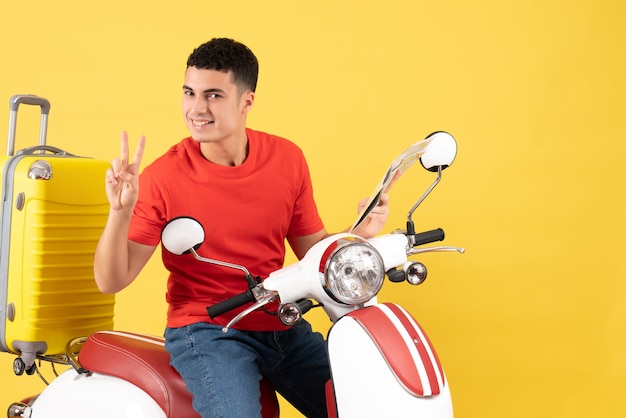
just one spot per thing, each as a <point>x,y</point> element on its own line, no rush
<point>354,272</point>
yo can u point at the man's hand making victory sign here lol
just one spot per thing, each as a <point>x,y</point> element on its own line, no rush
<point>122,179</point>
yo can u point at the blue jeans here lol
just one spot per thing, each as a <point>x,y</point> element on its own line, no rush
<point>222,371</point>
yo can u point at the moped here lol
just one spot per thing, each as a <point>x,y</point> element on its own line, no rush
<point>382,362</point>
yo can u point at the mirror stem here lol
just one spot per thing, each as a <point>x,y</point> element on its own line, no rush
<point>249,278</point>
<point>411,229</point>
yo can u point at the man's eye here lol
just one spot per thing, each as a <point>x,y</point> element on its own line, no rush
<point>213,96</point>
<point>188,93</point>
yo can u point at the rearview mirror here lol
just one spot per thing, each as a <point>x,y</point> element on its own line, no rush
<point>437,151</point>
<point>182,234</point>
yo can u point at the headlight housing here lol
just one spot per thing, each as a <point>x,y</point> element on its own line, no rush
<point>353,271</point>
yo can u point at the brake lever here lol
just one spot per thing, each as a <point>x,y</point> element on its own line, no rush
<point>268,297</point>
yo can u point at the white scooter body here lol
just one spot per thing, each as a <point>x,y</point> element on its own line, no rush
<point>73,395</point>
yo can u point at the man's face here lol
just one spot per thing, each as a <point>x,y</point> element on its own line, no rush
<point>213,107</point>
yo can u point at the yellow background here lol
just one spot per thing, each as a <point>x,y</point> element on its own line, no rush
<point>530,321</point>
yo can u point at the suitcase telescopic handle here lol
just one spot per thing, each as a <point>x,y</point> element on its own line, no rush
<point>28,99</point>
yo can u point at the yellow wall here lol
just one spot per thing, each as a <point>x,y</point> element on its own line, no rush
<point>530,321</point>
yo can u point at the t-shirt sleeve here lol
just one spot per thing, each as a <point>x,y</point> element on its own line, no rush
<point>149,214</point>
<point>305,219</point>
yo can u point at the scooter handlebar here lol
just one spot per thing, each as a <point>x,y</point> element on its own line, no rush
<point>428,237</point>
<point>231,303</point>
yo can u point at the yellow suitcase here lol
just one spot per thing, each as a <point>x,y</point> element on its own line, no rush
<point>54,208</point>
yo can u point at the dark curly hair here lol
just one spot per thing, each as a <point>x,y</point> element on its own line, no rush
<point>225,54</point>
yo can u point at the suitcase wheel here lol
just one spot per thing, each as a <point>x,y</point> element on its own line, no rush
<point>19,367</point>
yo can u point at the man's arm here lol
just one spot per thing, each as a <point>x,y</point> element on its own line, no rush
<point>117,260</point>
<point>302,243</point>
<point>371,225</point>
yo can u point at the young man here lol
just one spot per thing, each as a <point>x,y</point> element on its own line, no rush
<point>251,191</point>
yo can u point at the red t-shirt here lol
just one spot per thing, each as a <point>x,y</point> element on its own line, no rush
<point>247,211</point>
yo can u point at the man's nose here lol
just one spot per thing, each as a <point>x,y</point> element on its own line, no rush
<point>200,105</point>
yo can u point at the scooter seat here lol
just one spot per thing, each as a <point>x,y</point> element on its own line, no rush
<point>142,360</point>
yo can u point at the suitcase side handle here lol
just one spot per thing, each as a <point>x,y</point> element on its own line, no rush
<point>28,99</point>
<point>40,149</point>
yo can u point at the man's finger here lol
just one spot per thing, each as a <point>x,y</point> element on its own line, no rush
<point>124,147</point>
<point>139,151</point>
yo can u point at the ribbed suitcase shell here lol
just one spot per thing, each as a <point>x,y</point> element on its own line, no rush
<point>48,235</point>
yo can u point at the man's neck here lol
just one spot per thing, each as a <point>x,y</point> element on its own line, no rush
<point>226,152</point>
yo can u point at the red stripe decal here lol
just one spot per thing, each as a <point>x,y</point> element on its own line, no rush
<point>421,347</point>
<point>392,346</point>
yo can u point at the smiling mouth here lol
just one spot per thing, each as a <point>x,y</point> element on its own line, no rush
<point>199,123</point>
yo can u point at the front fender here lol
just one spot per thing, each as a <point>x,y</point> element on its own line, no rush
<point>383,364</point>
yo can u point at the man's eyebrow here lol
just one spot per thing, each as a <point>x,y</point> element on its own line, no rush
<point>212,90</point>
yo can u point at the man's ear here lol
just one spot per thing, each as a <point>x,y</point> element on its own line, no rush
<point>247,100</point>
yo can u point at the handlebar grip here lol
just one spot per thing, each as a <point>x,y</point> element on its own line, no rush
<point>230,304</point>
<point>429,236</point>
